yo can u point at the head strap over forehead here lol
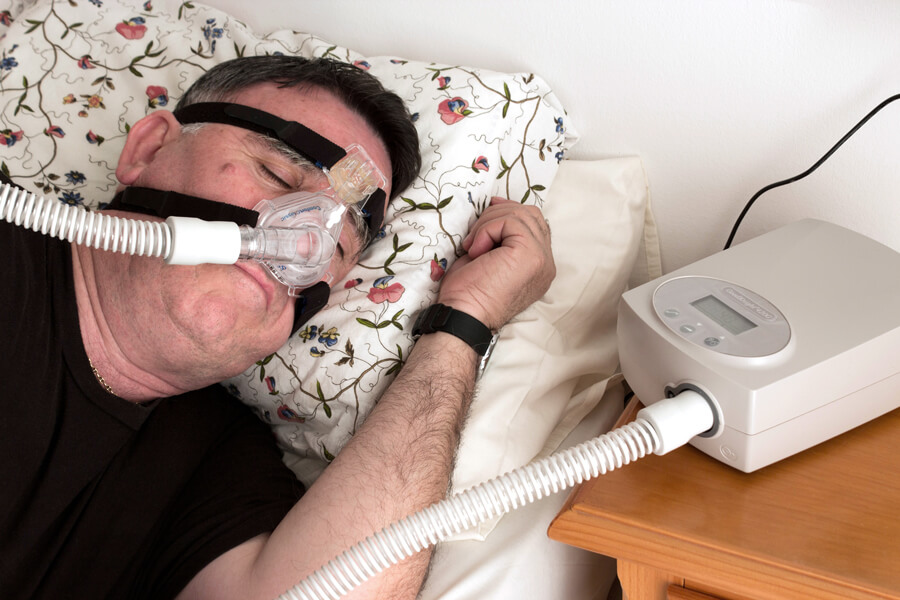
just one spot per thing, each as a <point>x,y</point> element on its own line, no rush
<point>319,150</point>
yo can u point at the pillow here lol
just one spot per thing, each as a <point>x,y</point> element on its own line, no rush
<point>553,363</point>
<point>76,76</point>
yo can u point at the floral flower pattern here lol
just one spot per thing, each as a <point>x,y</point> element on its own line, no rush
<point>438,268</point>
<point>157,95</point>
<point>481,164</point>
<point>212,33</point>
<point>329,338</point>
<point>132,29</point>
<point>287,414</point>
<point>490,132</point>
<point>453,110</point>
<point>385,291</point>
<point>309,333</point>
<point>72,198</point>
<point>8,137</point>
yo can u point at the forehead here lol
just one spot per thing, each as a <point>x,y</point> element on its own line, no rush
<point>321,111</point>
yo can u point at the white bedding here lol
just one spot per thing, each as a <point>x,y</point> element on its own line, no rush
<point>557,355</point>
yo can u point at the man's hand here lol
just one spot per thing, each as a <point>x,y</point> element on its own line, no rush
<point>507,266</point>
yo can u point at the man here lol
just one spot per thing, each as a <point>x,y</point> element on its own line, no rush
<point>112,492</point>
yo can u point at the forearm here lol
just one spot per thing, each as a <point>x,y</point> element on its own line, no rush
<point>400,461</point>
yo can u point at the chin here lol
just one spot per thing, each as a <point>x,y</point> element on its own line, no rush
<point>220,326</point>
<point>228,318</point>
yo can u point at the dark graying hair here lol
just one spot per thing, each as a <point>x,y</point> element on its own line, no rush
<point>383,110</point>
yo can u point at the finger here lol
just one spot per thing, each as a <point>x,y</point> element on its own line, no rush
<point>527,213</point>
<point>503,221</point>
<point>496,209</point>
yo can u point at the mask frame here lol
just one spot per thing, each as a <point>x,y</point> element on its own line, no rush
<point>319,218</point>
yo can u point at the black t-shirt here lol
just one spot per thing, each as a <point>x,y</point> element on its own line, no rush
<point>100,497</point>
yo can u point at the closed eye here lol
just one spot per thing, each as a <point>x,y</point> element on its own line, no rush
<point>271,176</point>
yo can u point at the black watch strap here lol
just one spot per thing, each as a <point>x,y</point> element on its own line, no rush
<point>439,317</point>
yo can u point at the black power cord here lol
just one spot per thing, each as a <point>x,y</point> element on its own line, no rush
<point>818,163</point>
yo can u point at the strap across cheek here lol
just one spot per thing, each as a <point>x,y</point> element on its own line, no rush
<point>165,204</point>
<point>311,300</point>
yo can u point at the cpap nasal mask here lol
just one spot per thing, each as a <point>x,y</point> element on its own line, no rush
<point>295,236</point>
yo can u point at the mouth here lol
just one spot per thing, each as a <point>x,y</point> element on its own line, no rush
<point>258,274</point>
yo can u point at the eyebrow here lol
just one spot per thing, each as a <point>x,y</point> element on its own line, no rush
<point>276,146</point>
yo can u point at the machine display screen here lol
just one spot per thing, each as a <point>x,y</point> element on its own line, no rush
<point>724,315</point>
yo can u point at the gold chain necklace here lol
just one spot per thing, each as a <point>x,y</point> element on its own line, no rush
<point>100,377</point>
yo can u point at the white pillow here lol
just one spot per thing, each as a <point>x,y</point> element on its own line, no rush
<point>553,362</point>
<point>76,76</point>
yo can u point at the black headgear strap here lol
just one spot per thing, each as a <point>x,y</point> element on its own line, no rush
<point>173,204</point>
<point>317,149</point>
<point>311,300</point>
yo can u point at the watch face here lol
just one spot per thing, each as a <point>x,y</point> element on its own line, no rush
<point>486,357</point>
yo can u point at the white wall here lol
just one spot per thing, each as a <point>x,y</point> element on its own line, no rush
<point>719,97</point>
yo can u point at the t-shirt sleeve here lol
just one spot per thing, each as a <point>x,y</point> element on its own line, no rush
<point>240,490</point>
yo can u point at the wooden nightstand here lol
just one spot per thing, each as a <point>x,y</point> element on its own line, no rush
<point>822,524</point>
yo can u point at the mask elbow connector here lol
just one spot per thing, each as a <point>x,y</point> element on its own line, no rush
<point>307,246</point>
<point>297,257</point>
<point>306,249</point>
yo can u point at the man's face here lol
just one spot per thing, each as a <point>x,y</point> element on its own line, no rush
<point>236,314</point>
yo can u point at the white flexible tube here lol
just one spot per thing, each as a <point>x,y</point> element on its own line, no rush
<point>80,226</point>
<point>178,240</point>
<point>659,428</point>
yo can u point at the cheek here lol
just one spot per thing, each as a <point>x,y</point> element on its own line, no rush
<point>225,318</point>
<point>337,272</point>
<point>190,168</point>
<point>340,267</point>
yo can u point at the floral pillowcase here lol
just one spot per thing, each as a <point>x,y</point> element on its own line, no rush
<point>76,75</point>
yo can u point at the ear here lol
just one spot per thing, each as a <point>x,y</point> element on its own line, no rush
<point>145,138</point>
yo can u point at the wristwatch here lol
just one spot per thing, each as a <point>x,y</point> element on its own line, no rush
<point>440,317</point>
